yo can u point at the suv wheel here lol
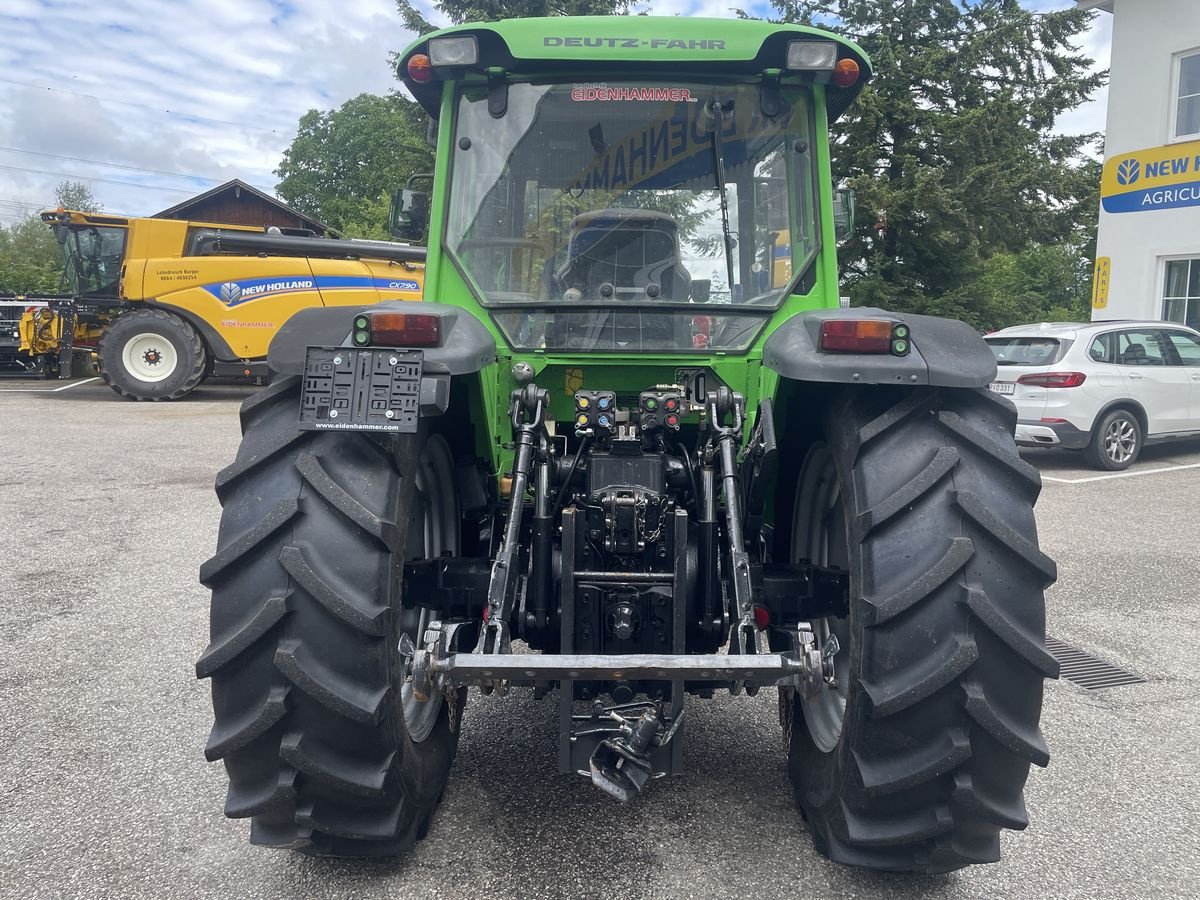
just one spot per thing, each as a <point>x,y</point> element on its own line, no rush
<point>1116,441</point>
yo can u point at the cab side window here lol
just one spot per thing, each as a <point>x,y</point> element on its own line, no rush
<point>1186,347</point>
<point>1140,348</point>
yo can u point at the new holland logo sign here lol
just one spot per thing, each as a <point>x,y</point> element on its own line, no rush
<point>1158,178</point>
<point>235,293</point>
<point>231,293</point>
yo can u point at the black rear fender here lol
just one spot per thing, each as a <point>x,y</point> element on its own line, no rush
<point>943,353</point>
<point>466,345</point>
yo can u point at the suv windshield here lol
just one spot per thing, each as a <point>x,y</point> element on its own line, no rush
<point>93,260</point>
<point>1026,351</point>
<point>616,202</point>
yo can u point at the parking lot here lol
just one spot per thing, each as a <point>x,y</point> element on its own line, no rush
<point>107,511</point>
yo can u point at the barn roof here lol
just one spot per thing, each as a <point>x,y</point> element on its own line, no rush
<point>237,187</point>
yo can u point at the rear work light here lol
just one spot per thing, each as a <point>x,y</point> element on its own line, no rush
<point>865,336</point>
<point>454,51</point>
<point>394,329</point>
<point>810,56</point>
<point>1053,379</point>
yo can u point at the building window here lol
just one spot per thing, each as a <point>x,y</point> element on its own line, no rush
<point>1181,293</point>
<point>1187,102</point>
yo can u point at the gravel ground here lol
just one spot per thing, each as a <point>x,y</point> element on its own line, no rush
<point>107,511</point>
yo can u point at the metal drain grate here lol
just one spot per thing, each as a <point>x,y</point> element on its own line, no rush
<point>1086,670</point>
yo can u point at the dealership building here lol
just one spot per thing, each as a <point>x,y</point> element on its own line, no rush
<point>1148,253</point>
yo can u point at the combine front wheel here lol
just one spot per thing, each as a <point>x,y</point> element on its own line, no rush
<point>148,354</point>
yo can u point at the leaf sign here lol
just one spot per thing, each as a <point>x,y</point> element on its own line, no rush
<point>1129,171</point>
<point>231,293</point>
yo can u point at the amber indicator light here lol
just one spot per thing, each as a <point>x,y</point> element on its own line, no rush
<point>420,69</point>
<point>845,73</point>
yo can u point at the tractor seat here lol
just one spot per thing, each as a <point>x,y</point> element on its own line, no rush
<point>629,249</point>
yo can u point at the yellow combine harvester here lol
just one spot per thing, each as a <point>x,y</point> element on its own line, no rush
<point>165,303</point>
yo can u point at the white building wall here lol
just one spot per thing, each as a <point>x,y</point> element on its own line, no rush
<point>1148,37</point>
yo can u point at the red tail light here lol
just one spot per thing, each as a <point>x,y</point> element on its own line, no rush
<point>1053,379</point>
<point>864,336</point>
<point>392,329</point>
<point>762,618</point>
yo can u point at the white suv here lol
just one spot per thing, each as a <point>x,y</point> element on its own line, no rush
<point>1106,388</point>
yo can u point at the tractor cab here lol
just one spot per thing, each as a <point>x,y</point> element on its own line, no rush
<point>610,193</point>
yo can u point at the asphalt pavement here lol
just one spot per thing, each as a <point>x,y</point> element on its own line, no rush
<point>107,511</point>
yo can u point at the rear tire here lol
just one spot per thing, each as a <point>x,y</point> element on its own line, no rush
<point>149,354</point>
<point>306,675</point>
<point>922,496</point>
<point>1116,441</point>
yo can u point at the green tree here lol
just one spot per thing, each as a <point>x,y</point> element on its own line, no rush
<point>78,196</point>
<point>343,164</point>
<point>951,147</point>
<point>30,259</point>
<point>1042,283</point>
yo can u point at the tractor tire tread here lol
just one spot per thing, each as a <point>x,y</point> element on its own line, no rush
<point>912,684</point>
<point>942,715</point>
<point>216,566</point>
<point>939,467</point>
<point>909,768</point>
<point>224,651</point>
<point>311,470</point>
<point>361,777</point>
<point>235,734</point>
<point>879,611</point>
<point>361,615</point>
<point>303,651</point>
<point>353,701</point>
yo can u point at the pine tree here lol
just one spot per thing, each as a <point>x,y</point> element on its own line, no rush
<point>951,147</point>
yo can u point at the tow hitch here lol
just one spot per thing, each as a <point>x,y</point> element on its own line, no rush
<point>621,765</point>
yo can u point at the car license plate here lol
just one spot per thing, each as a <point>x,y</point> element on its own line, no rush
<point>1002,387</point>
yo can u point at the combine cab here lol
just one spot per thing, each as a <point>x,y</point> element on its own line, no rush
<point>630,453</point>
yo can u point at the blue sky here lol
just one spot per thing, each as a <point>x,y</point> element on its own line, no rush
<point>211,89</point>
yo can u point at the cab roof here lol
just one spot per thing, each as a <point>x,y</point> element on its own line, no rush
<point>596,45</point>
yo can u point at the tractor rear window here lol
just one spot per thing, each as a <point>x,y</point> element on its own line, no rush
<point>590,198</point>
<point>1027,351</point>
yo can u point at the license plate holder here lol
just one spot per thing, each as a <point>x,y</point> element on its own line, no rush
<point>361,389</point>
<point>1002,387</point>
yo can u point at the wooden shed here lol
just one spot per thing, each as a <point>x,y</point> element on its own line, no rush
<point>237,203</point>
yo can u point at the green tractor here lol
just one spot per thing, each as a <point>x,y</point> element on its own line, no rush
<point>630,452</point>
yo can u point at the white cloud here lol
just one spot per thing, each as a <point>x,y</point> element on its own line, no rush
<point>254,65</point>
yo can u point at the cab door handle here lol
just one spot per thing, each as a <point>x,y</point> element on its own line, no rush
<point>1137,374</point>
